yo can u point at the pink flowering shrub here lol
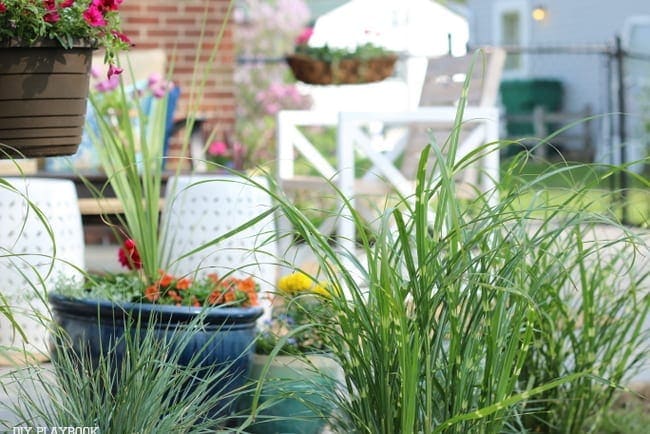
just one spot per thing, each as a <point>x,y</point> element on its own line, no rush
<point>227,154</point>
<point>280,96</point>
<point>265,29</point>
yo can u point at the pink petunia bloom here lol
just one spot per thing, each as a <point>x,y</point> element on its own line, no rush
<point>121,36</point>
<point>51,17</point>
<point>218,148</point>
<point>113,70</point>
<point>304,37</point>
<point>3,8</point>
<point>94,17</point>
<point>108,5</point>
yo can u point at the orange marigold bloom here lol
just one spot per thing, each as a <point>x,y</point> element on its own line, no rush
<point>165,279</point>
<point>214,297</point>
<point>152,293</point>
<point>184,283</point>
<point>174,295</point>
<point>229,296</point>
<point>246,285</point>
<point>213,277</point>
<point>252,299</point>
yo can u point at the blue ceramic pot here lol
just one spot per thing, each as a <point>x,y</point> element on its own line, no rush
<point>224,337</point>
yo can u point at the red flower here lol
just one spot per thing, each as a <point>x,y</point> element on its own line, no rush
<point>67,3</point>
<point>129,256</point>
<point>3,8</point>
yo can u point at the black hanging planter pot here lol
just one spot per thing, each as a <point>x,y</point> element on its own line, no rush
<point>43,92</point>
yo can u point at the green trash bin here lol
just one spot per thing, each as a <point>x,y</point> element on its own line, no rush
<point>522,96</point>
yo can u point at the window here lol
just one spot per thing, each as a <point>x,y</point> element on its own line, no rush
<point>511,29</point>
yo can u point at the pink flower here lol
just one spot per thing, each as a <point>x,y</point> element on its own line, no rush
<point>154,80</point>
<point>121,36</point>
<point>158,86</point>
<point>113,70</point>
<point>304,37</point>
<point>94,16</point>
<point>67,3</point>
<point>51,16</point>
<point>95,72</point>
<point>108,85</point>
<point>3,8</point>
<point>108,5</point>
<point>218,148</point>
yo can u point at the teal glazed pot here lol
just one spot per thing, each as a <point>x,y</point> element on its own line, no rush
<point>298,392</point>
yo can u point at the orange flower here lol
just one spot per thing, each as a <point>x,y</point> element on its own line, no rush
<point>252,299</point>
<point>165,279</point>
<point>246,285</point>
<point>230,296</point>
<point>213,277</point>
<point>152,293</point>
<point>184,283</point>
<point>214,297</point>
<point>174,295</point>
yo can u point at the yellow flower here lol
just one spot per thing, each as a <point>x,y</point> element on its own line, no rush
<point>295,282</point>
<point>322,289</point>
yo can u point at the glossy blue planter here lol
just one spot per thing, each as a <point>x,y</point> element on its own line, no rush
<point>224,337</point>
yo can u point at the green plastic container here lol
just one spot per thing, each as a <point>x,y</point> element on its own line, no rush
<point>522,96</point>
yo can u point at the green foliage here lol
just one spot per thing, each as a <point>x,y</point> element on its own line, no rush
<point>146,392</point>
<point>299,309</point>
<point>450,307</point>
<point>28,22</point>
<point>330,54</point>
<point>630,419</point>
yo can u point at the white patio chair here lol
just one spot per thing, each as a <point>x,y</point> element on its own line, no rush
<point>29,266</point>
<point>436,114</point>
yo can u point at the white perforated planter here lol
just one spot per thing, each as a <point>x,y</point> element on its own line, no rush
<point>199,208</point>
<point>29,263</point>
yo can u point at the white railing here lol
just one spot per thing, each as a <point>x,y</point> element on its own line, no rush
<point>351,138</point>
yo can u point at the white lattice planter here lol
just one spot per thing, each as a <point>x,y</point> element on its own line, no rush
<point>29,261</point>
<point>199,208</point>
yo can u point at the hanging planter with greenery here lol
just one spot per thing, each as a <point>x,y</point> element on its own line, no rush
<point>367,63</point>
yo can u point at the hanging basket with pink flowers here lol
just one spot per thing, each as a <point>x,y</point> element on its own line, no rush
<point>46,48</point>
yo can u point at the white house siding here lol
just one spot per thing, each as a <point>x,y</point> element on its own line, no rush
<point>569,23</point>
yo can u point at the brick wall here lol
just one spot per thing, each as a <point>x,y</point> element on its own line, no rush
<point>175,26</point>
